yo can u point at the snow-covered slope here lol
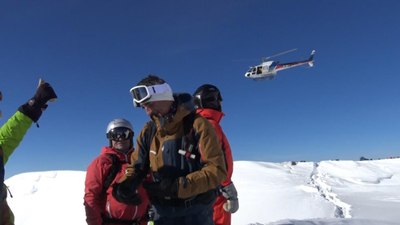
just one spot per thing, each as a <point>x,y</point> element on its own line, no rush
<point>304,193</point>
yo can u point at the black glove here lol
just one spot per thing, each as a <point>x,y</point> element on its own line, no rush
<point>126,191</point>
<point>38,103</point>
<point>166,188</point>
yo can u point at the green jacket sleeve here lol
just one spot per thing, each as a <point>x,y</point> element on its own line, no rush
<point>12,132</point>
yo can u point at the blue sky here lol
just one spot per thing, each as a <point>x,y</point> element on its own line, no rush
<point>93,52</point>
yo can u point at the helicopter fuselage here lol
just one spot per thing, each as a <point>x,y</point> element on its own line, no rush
<point>269,69</point>
<point>263,70</point>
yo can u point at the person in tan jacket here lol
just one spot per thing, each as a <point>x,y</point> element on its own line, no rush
<point>179,153</point>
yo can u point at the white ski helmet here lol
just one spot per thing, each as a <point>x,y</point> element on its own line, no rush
<point>117,123</point>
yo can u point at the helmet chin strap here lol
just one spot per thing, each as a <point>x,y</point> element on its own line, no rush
<point>122,151</point>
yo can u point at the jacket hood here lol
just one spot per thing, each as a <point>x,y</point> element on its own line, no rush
<point>185,100</point>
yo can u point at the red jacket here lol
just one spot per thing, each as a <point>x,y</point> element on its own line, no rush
<point>220,216</point>
<point>214,117</point>
<point>98,204</point>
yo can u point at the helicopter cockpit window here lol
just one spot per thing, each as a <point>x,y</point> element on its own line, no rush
<point>259,69</point>
<point>252,70</point>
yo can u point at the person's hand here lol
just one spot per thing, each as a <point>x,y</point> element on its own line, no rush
<point>38,103</point>
<point>166,188</point>
<point>126,194</point>
<point>44,93</point>
<point>128,174</point>
<point>126,191</point>
<point>230,193</point>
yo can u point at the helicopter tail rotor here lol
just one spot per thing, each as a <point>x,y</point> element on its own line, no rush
<point>311,59</point>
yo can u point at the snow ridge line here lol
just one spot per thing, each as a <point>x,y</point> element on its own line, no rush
<point>342,209</point>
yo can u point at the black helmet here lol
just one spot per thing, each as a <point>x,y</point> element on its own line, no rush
<point>207,96</point>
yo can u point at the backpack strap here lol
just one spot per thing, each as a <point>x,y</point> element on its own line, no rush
<point>188,122</point>
<point>115,168</point>
<point>189,140</point>
<point>2,172</point>
<point>150,133</point>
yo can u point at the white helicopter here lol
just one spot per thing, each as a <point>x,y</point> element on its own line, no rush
<point>268,69</point>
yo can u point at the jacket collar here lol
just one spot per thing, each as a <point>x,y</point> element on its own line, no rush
<point>120,155</point>
<point>211,114</point>
<point>182,107</point>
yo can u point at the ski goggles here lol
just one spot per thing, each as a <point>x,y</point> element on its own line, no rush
<point>120,133</point>
<point>142,93</point>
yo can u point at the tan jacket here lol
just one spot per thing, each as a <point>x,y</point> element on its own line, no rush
<point>164,152</point>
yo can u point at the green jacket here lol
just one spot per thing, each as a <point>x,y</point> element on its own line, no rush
<point>11,134</point>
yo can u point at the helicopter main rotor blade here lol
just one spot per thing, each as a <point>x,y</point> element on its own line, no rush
<point>281,53</point>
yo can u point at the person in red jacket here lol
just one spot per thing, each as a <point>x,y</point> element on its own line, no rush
<point>207,99</point>
<point>112,164</point>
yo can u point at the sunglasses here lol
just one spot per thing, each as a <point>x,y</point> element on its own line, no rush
<point>120,133</point>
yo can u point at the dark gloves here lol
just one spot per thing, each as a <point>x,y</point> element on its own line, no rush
<point>125,190</point>
<point>38,103</point>
<point>167,188</point>
<point>230,193</point>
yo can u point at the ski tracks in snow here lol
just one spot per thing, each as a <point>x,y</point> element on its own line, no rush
<point>318,180</point>
<point>37,181</point>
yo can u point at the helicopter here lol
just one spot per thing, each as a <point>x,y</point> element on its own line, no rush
<point>268,69</point>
